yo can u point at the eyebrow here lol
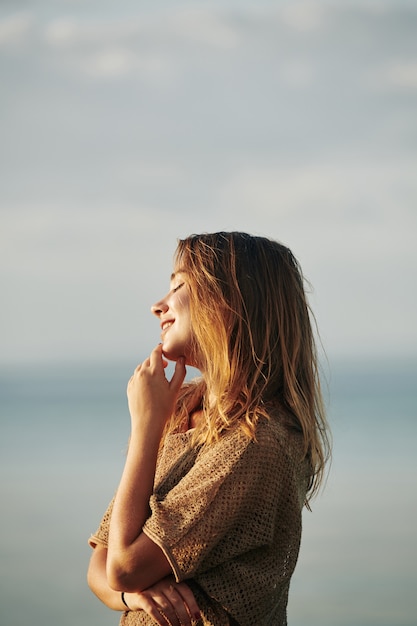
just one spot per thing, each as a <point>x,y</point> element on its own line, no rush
<point>180,271</point>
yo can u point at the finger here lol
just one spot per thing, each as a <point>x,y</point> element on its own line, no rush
<point>129,384</point>
<point>162,609</point>
<point>189,600</point>
<point>156,358</point>
<point>179,375</point>
<point>155,611</point>
<point>175,609</point>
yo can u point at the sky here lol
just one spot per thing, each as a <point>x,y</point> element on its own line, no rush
<point>125,126</point>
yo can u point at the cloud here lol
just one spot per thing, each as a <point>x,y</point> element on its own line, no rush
<point>327,192</point>
<point>72,31</point>
<point>15,29</point>
<point>205,27</point>
<point>125,129</point>
<point>398,75</point>
<point>106,50</point>
<point>141,45</point>
<point>62,32</point>
<point>304,16</point>
<point>57,243</point>
<point>115,61</point>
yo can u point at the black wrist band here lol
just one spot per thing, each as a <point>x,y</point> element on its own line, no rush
<point>122,595</point>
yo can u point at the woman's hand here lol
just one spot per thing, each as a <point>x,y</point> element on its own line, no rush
<point>151,396</point>
<point>167,602</point>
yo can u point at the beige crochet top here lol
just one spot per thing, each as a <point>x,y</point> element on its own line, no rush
<point>228,518</point>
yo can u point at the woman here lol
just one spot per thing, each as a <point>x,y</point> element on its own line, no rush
<point>205,525</point>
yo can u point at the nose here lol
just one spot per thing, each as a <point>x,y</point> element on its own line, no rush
<point>159,307</point>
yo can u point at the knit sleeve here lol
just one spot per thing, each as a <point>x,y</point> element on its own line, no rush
<point>224,507</point>
<point>101,536</point>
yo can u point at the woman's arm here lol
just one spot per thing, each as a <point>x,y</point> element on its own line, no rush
<point>167,603</point>
<point>135,562</point>
<point>97,580</point>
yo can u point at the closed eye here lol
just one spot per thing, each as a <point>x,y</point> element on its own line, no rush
<point>177,287</point>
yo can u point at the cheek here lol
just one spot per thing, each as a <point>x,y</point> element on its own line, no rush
<point>183,301</point>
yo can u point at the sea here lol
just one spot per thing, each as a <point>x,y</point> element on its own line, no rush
<point>63,436</point>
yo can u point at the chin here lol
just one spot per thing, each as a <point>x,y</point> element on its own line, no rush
<point>171,355</point>
<point>175,354</point>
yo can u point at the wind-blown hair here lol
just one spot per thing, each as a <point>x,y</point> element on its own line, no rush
<point>251,323</point>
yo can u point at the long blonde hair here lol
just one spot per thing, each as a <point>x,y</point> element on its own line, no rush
<point>252,324</point>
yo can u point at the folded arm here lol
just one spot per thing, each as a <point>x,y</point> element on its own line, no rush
<point>167,603</point>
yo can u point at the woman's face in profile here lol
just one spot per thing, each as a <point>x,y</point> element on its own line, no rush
<point>173,311</point>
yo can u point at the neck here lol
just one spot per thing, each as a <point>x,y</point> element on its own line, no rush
<point>195,418</point>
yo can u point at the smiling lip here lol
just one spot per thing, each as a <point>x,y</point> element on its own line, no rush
<point>166,324</point>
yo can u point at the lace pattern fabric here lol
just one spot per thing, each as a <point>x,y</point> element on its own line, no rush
<point>228,518</point>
